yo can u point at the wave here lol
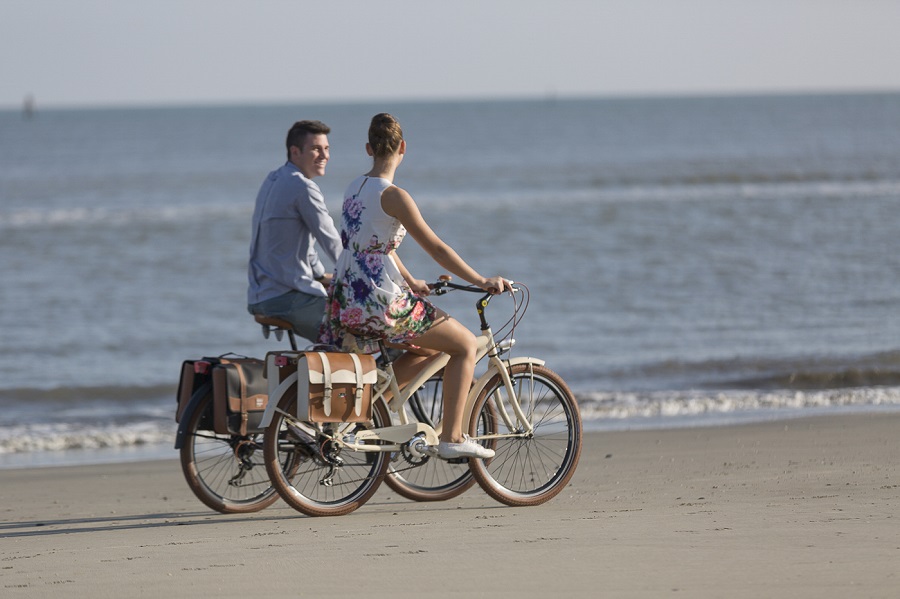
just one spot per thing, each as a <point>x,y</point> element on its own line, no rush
<point>799,373</point>
<point>56,437</point>
<point>29,218</point>
<point>617,405</point>
<point>72,394</point>
<point>713,188</point>
<point>122,418</point>
<point>757,373</point>
<point>596,408</point>
<point>864,181</point>
<point>686,186</point>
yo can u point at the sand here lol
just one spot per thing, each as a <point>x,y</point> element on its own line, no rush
<point>797,508</point>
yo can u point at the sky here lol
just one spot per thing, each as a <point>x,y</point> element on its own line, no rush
<point>84,53</point>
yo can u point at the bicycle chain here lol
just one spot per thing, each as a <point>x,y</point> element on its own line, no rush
<point>382,476</point>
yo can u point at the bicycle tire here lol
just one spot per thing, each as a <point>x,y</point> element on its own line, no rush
<point>530,470</point>
<point>225,472</point>
<point>354,483</point>
<point>435,480</point>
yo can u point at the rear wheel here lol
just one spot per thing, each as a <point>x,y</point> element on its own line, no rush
<point>328,480</point>
<point>226,472</point>
<point>435,479</point>
<point>529,468</point>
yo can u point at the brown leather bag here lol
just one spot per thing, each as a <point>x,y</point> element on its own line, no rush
<point>331,386</point>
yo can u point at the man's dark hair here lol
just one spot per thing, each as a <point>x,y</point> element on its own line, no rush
<point>297,135</point>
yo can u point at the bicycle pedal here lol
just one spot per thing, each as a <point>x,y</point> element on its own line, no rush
<point>457,461</point>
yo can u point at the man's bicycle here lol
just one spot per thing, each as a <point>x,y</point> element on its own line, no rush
<point>226,470</point>
<point>519,408</point>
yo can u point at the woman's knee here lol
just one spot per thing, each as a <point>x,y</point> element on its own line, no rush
<point>465,344</point>
<point>452,338</point>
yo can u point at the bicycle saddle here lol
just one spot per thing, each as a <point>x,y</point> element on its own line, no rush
<point>278,325</point>
<point>273,322</point>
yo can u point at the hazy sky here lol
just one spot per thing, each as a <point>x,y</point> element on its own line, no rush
<point>125,52</point>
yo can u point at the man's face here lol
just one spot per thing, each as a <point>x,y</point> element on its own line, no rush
<point>312,157</point>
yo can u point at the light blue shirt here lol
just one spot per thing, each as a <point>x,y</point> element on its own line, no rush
<point>289,218</point>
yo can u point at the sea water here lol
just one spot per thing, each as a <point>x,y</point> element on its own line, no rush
<point>690,260</point>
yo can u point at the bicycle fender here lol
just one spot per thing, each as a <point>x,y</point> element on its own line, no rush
<point>198,395</point>
<point>483,380</point>
<point>275,397</point>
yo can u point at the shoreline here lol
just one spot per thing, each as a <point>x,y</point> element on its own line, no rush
<point>150,452</point>
<point>802,508</point>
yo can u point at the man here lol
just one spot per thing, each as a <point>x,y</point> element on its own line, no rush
<point>285,274</point>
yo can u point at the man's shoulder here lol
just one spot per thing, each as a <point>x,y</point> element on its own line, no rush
<point>298,179</point>
<point>292,181</point>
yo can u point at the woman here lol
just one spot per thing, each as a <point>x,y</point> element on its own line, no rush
<point>374,296</point>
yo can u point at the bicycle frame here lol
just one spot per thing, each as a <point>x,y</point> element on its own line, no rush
<point>403,433</point>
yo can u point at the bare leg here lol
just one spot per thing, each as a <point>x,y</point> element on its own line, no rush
<point>452,338</point>
<point>410,364</point>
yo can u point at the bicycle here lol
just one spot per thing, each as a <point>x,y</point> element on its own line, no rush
<point>226,471</point>
<point>519,408</point>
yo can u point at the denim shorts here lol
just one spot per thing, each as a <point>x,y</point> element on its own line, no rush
<point>302,310</point>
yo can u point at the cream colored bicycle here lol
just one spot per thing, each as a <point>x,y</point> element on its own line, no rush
<point>519,408</point>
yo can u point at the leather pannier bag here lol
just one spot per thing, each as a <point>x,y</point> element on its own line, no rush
<point>331,386</point>
<point>187,384</point>
<point>192,378</point>
<point>240,395</point>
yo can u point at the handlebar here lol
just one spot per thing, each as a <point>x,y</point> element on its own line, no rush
<point>443,285</point>
<point>520,301</point>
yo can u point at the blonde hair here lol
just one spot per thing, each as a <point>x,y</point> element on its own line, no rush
<point>385,135</point>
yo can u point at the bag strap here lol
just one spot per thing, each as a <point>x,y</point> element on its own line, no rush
<point>243,379</point>
<point>359,383</point>
<point>326,375</point>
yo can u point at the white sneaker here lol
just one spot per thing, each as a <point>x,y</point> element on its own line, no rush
<point>466,449</point>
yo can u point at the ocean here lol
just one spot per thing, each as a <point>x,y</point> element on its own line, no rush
<point>691,261</point>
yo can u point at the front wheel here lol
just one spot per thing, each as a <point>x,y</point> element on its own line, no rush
<point>329,480</point>
<point>225,472</point>
<point>528,468</point>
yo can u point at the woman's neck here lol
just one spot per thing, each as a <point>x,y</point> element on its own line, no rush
<point>384,168</point>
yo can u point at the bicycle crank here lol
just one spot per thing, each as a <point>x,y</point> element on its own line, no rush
<point>416,452</point>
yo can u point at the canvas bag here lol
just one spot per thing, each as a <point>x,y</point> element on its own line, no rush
<point>331,386</point>
<point>240,395</point>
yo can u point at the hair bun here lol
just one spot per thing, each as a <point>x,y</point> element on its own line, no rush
<point>385,135</point>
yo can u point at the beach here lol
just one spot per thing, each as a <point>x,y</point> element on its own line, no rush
<point>793,508</point>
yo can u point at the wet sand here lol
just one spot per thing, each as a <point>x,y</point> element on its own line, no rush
<point>798,508</point>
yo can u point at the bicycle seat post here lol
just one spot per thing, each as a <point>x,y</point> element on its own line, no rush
<point>279,326</point>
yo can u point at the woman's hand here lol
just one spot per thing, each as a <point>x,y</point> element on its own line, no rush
<point>418,286</point>
<point>496,285</point>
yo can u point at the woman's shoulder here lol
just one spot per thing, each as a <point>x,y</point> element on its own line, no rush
<point>393,190</point>
<point>396,201</point>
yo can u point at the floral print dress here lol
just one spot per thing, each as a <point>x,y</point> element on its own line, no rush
<point>369,298</point>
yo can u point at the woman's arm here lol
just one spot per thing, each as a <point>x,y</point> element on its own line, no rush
<point>398,203</point>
